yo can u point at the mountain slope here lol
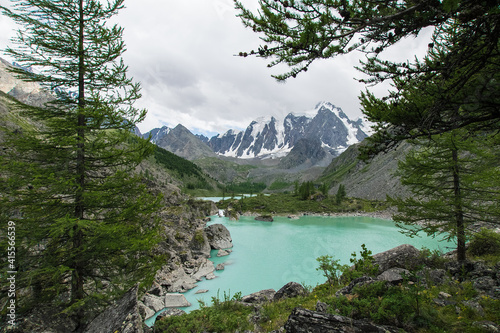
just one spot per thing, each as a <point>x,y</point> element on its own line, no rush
<point>269,137</point>
<point>180,141</point>
<point>27,92</point>
<point>306,151</point>
<point>374,179</point>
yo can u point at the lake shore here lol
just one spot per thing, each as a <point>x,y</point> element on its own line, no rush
<point>385,214</point>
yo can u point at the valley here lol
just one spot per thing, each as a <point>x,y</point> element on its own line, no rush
<point>295,174</point>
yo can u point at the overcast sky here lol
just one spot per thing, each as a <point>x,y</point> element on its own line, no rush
<point>183,54</point>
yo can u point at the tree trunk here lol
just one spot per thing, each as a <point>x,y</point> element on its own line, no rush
<point>459,214</point>
<point>77,279</point>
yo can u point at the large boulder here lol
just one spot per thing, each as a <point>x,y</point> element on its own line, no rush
<point>259,296</point>
<point>155,303</point>
<point>123,317</point>
<point>219,237</point>
<point>176,301</point>
<point>403,256</point>
<point>289,290</point>
<point>200,246</point>
<point>307,321</point>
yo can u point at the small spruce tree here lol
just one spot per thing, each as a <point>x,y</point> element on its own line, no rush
<point>341,194</point>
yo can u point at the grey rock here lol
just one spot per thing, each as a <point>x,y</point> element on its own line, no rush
<point>123,317</point>
<point>200,246</point>
<point>361,281</point>
<point>433,276</point>
<point>403,256</point>
<point>487,326</point>
<point>475,306</point>
<point>219,237</point>
<point>264,218</point>
<point>485,284</point>
<point>222,253</point>
<point>145,311</point>
<point>220,267</point>
<point>307,321</point>
<point>291,289</point>
<point>175,301</point>
<point>204,268</point>
<point>156,289</point>
<point>394,275</point>
<point>180,141</point>
<point>201,291</point>
<point>170,313</point>
<point>321,307</point>
<point>155,303</point>
<point>305,151</point>
<point>259,297</point>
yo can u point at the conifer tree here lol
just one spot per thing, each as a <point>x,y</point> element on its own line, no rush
<point>84,222</point>
<point>341,194</point>
<point>455,181</point>
<point>460,75</point>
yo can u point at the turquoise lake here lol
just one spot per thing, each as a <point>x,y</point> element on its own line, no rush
<point>270,254</point>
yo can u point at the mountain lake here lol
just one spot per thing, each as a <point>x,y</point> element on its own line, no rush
<point>268,255</point>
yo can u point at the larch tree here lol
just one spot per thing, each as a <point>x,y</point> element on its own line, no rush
<point>463,56</point>
<point>85,225</point>
<point>455,182</point>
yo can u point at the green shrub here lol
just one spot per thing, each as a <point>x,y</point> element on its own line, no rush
<point>331,269</point>
<point>362,266</point>
<point>485,242</point>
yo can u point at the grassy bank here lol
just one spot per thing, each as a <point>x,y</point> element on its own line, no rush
<point>282,204</point>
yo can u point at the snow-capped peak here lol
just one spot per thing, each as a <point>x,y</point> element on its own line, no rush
<point>267,136</point>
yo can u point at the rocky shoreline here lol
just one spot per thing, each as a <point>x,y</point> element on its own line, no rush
<point>394,266</point>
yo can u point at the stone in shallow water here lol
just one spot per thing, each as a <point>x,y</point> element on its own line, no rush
<point>202,291</point>
<point>219,237</point>
<point>222,253</point>
<point>175,301</point>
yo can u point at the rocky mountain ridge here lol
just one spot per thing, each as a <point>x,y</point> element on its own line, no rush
<point>268,137</point>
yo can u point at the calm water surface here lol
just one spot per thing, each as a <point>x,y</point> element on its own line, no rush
<point>270,254</point>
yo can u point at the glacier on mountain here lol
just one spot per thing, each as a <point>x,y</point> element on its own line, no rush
<point>268,137</point>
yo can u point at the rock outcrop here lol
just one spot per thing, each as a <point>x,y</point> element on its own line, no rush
<point>307,321</point>
<point>123,317</point>
<point>219,237</point>
<point>184,278</point>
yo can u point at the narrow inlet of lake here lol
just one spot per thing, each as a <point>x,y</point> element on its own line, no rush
<point>267,255</point>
